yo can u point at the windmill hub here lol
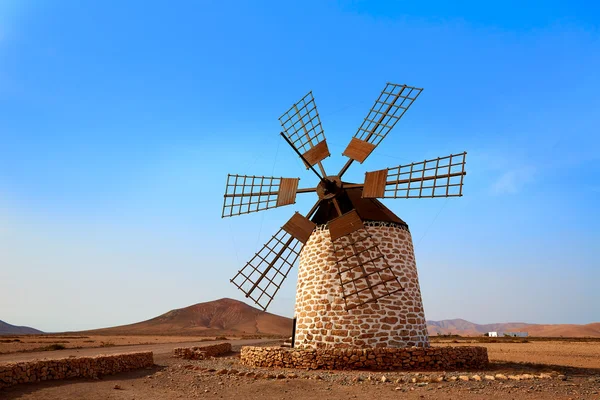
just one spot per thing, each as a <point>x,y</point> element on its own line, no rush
<point>329,187</point>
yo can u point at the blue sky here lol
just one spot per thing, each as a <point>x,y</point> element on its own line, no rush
<point>120,121</point>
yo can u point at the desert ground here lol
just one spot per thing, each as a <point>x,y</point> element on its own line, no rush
<point>548,369</point>
<point>37,343</point>
<point>560,353</point>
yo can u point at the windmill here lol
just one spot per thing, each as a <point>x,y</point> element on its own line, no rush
<point>357,283</point>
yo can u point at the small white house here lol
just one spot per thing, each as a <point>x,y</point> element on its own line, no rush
<point>492,334</point>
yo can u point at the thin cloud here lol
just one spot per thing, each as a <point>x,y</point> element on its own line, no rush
<point>512,181</point>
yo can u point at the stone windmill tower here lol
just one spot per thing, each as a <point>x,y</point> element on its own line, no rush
<point>357,279</point>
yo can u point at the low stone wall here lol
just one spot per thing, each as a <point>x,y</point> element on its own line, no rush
<point>80,367</point>
<point>378,358</point>
<point>202,352</point>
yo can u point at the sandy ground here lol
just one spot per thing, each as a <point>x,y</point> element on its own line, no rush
<point>574,369</point>
<point>559,353</point>
<point>158,349</point>
<point>9,344</point>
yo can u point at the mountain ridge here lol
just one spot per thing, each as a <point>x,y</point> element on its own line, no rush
<point>466,328</point>
<point>8,329</point>
<point>459,326</point>
<point>217,317</point>
<point>232,317</point>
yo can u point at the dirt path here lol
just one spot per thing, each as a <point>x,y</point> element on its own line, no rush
<point>158,349</point>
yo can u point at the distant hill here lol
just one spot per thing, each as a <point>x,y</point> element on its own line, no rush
<point>233,317</point>
<point>566,330</point>
<point>465,328</point>
<point>8,329</point>
<point>219,317</point>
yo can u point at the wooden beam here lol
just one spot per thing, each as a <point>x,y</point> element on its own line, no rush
<point>303,190</point>
<point>401,181</point>
<point>425,178</point>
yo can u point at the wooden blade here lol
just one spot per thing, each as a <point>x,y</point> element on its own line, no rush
<point>287,191</point>
<point>302,126</point>
<point>262,276</point>
<point>345,224</point>
<point>358,150</point>
<point>440,177</point>
<point>375,183</point>
<point>365,276</point>
<point>245,194</point>
<point>300,227</point>
<point>391,105</point>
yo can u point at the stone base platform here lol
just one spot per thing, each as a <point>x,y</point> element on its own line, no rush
<point>376,358</point>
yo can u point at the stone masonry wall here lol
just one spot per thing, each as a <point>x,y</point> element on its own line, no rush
<point>412,358</point>
<point>202,352</point>
<point>80,367</point>
<point>322,320</point>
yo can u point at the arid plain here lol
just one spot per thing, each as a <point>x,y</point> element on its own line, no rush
<point>527,368</point>
<point>549,369</point>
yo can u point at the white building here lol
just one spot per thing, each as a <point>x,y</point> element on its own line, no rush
<point>492,334</point>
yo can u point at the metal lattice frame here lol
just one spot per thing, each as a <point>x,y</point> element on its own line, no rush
<point>262,276</point>
<point>302,125</point>
<point>391,105</point>
<point>245,194</point>
<point>440,177</point>
<point>365,276</point>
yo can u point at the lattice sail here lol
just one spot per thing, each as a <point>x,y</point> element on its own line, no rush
<point>245,194</point>
<point>365,276</point>
<point>391,105</point>
<point>439,177</point>
<point>302,126</point>
<point>262,276</point>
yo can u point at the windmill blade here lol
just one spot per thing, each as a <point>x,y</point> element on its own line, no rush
<point>391,105</point>
<point>262,276</point>
<point>245,194</point>
<point>365,276</point>
<point>302,127</point>
<point>440,177</point>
